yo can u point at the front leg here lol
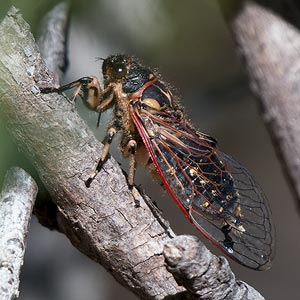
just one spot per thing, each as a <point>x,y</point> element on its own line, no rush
<point>97,99</point>
<point>87,87</point>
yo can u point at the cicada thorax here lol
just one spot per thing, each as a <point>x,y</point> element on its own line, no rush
<point>140,87</point>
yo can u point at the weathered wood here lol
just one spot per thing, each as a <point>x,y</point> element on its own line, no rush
<point>16,202</point>
<point>192,264</point>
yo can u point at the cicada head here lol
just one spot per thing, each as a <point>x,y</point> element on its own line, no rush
<point>126,70</point>
<point>115,68</point>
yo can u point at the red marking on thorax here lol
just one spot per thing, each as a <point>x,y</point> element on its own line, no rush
<point>138,94</point>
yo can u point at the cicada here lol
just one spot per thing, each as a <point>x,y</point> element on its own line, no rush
<point>215,192</point>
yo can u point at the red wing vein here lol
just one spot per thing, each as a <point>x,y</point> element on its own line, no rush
<point>224,201</point>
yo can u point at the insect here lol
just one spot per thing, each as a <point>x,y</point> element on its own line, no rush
<point>216,193</point>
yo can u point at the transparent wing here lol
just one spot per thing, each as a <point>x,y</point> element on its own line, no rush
<point>217,194</point>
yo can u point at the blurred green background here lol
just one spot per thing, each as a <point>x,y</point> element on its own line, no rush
<point>189,43</point>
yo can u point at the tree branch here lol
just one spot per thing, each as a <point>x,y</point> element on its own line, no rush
<point>101,221</point>
<point>16,202</point>
<point>52,43</point>
<point>192,264</point>
<point>52,40</point>
<point>268,40</point>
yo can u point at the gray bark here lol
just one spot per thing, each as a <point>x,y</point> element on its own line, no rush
<point>205,275</point>
<point>16,202</point>
<point>52,40</point>
<point>268,41</point>
<point>101,221</point>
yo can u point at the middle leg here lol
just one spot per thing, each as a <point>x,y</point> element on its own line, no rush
<point>111,132</point>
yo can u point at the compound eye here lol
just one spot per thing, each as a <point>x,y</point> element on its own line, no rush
<point>119,71</point>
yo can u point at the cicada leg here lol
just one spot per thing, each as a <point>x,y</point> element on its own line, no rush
<point>106,99</point>
<point>99,100</point>
<point>132,145</point>
<point>130,149</point>
<point>87,87</point>
<point>112,131</point>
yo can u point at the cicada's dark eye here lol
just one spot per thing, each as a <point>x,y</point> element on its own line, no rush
<point>119,71</point>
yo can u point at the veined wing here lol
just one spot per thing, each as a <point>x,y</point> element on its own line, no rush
<point>217,194</point>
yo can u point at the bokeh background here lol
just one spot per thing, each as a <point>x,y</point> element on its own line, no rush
<point>189,43</point>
